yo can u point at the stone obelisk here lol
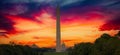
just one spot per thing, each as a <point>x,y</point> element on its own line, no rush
<point>58,31</point>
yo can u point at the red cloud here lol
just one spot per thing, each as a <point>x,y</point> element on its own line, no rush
<point>111,24</point>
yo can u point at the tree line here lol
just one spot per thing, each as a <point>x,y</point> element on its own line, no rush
<point>105,45</point>
<point>7,49</point>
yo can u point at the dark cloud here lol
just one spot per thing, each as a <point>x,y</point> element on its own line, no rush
<point>27,1</point>
<point>6,24</point>
<point>113,24</point>
<point>26,8</point>
<point>13,9</point>
<point>21,9</point>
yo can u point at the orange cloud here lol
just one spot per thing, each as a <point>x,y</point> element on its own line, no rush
<point>43,33</point>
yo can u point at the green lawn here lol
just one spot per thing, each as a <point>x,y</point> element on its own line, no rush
<point>55,53</point>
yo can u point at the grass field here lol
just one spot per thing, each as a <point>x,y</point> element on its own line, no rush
<point>55,53</point>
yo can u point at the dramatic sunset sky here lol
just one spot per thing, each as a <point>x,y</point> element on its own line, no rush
<point>28,22</point>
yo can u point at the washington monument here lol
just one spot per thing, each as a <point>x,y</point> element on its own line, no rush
<point>58,31</point>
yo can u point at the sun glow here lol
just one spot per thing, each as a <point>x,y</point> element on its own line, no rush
<point>43,32</point>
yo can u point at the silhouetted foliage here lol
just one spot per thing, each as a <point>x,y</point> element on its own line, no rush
<point>6,49</point>
<point>105,45</point>
<point>118,33</point>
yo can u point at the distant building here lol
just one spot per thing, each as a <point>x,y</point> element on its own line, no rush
<point>63,47</point>
<point>34,46</point>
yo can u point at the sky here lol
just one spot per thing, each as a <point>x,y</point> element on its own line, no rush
<point>28,22</point>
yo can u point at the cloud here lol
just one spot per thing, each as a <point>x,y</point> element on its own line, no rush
<point>68,2</point>
<point>50,2</point>
<point>28,1</point>
<point>107,3</point>
<point>13,9</point>
<point>113,24</point>
<point>6,24</point>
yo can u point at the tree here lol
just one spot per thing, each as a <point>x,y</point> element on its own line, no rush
<point>6,49</point>
<point>117,51</point>
<point>118,34</point>
<point>105,45</point>
<point>82,49</point>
